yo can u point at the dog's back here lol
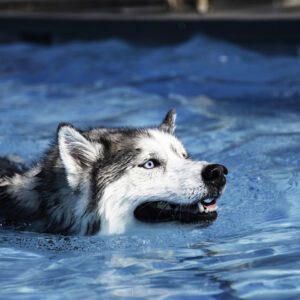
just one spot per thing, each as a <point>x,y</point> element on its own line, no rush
<point>10,166</point>
<point>11,169</point>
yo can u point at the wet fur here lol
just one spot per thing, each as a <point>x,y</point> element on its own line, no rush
<point>90,182</point>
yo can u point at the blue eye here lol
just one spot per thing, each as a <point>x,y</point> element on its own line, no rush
<point>150,164</point>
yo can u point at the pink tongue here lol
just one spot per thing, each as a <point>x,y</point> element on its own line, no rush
<point>210,206</point>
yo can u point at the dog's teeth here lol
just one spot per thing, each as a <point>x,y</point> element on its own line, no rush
<point>201,208</point>
<point>211,209</point>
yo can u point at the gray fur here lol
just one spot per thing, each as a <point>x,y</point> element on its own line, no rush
<point>50,182</point>
<point>75,186</point>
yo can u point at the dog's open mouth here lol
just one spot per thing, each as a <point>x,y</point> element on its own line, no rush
<point>163,211</point>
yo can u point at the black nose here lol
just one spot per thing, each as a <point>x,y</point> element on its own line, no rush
<point>214,174</point>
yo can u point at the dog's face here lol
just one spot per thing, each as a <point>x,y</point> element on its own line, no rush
<point>140,174</point>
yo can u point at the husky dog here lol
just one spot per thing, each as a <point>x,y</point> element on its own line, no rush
<point>107,180</point>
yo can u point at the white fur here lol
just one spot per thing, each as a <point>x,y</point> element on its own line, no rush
<point>69,203</point>
<point>180,182</point>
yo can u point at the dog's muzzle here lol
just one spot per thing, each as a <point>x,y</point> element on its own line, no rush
<point>202,210</point>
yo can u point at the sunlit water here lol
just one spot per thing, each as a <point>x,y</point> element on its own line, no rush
<point>235,107</point>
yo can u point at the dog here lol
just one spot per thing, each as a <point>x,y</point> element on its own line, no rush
<point>107,180</point>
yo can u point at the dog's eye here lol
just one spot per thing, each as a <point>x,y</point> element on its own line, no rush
<point>150,164</point>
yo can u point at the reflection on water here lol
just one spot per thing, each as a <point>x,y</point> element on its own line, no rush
<point>235,107</point>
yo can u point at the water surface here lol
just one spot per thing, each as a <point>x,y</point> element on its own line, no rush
<point>235,106</point>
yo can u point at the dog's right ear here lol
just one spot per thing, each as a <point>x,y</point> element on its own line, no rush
<point>168,124</point>
<point>76,151</point>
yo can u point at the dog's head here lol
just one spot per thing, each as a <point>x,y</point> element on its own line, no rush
<point>139,174</point>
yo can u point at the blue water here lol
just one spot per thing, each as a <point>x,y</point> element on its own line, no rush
<point>235,106</point>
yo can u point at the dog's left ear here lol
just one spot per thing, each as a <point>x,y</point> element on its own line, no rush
<point>168,124</point>
<point>76,152</point>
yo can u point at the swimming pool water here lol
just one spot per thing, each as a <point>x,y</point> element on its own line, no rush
<point>235,106</point>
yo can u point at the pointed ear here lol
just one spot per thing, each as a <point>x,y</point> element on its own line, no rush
<point>168,124</point>
<point>76,152</point>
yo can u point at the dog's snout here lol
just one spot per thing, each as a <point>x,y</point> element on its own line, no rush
<point>215,174</point>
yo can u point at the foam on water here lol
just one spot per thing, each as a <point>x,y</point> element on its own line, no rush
<point>235,107</point>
